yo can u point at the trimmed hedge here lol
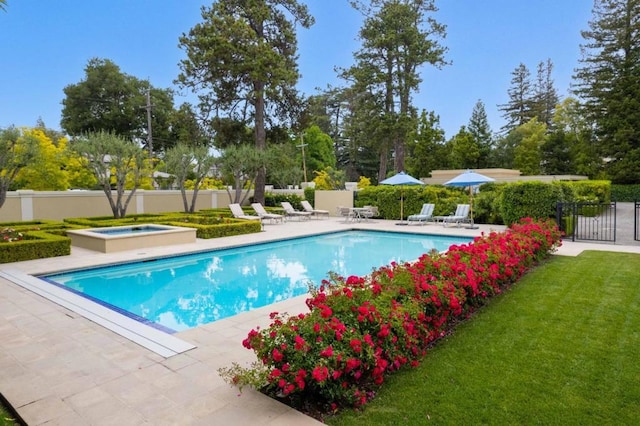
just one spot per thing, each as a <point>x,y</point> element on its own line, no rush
<point>35,245</point>
<point>529,199</point>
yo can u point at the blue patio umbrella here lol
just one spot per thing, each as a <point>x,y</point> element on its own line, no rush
<point>470,179</point>
<point>401,179</point>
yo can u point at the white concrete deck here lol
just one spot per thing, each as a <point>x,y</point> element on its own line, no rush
<point>59,368</point>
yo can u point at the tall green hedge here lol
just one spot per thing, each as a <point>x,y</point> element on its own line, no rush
<point>625,193</point>
<point>529,199</point>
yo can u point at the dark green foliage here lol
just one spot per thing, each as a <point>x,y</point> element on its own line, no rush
<point>310,195</point>
<point>486,204</point>
<point>387,198</point>
<point>529,199</point>
<point>274,200</point>
<point>625,193</point>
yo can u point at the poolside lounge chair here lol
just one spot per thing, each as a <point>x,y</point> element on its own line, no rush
<point>291,212</point>
<point>238,213</point>
<point>314,212</point>
<point>273,217</point>
<point>425,215</point>
<point>461,215</point>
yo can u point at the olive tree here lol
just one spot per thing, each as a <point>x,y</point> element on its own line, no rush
<point>115,162</point>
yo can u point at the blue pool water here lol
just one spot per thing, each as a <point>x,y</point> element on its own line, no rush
<point>186,291</point>
<point>129,230</point>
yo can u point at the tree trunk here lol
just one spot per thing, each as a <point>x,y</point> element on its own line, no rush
<point>261,141</point>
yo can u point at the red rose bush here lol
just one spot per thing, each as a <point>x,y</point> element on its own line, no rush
<point>361,329</point>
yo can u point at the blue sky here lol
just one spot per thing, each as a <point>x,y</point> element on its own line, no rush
<point>45,46</point>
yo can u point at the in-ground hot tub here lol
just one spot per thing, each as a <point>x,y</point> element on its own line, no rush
<point>119,238</point>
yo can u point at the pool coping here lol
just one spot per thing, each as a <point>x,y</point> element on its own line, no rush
<point>162,343</point>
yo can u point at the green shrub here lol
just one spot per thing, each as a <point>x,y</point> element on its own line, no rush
<point>529,199</point>
<point>592,190</point>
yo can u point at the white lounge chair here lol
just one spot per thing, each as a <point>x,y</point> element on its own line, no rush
<point>238,213</point>
<point>273,217</point>
<point>291,212</point>
<point>425,215</point>
<point>461,215</point>
<point>314,212</point>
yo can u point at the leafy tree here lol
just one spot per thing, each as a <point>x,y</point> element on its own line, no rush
<point>578,134</point>
<point>3,5</point>
<point>397,37</point>
<point>527,154</point>
<point>16,152</point>
<point>241,164</point>
<point>427,151</point>
<point>185,161</point>
<point>111,101</point>
<point>329,179</point>
<point>45,171</point>
<point>608,82</point>
<point>284,164</point>
<point>186,129</point>
<point>464,150</point>
<point>319,153</point>
<point>481,133</point>
<point>243,58</point>
<point>113,160</point>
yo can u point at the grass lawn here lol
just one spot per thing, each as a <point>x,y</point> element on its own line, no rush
<point>561,347</point>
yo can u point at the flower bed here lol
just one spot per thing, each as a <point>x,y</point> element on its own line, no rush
<point>361,329</point>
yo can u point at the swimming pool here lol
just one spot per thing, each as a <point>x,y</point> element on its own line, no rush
<point>182,292</point>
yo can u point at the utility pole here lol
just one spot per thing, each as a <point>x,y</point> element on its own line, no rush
<point>149,134</point>
<point>304,163</point>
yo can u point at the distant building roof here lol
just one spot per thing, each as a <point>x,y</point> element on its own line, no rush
<point>438,177</point>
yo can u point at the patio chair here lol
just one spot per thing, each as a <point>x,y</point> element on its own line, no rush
<point>314,212</point>
<point>238,213</point>
<point>425,215</point>
<point>290,212</point>
<point>368,212</point>
<point>461,215</point>
<point>265,215</point>
<point>345,212</point>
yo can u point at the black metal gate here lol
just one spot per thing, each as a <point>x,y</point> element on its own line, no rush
<point>589,221</point>
<point>636,221</point>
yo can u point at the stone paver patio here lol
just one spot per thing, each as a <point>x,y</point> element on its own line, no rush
<point>59,368</point>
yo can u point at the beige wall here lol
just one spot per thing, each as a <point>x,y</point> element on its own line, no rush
<point>330,200</point>
<point>58,205</point>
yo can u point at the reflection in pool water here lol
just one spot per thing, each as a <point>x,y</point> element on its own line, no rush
<point>187,291</point>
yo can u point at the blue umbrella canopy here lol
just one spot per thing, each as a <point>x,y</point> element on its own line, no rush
<point>469,178</point>
<point>401,179</point>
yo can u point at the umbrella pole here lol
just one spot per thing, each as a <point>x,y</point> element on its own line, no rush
<point>472,225</point>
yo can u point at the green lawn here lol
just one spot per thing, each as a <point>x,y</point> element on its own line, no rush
<point>561,347</point>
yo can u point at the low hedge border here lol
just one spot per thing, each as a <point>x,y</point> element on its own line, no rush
<point>36,245</point>
<point>360,329</point>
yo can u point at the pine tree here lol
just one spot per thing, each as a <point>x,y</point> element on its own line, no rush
<point>481,132</point>
<point>518,110</point>
<point>608,82</point>
<point>545,96</point>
